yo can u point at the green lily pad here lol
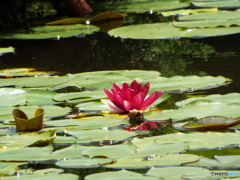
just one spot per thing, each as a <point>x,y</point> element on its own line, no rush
<point>121,174</point>
<point>207,23</point>
<point>6,50</point>
<point>14,97</point>
<point>11,170</point>
<point>11,97</point>
<point>11,164</point>
<point>101,134</point>
<point>168,31</point>
<point>88,123</point>
<point>197,109</point>
<point>166,160</point>
<point>93,105</point>
<point>25,139</point>
<point>46,81</point>
<point>188,11</point>
<point>218,162</point>
<point>209,140</point>
<point>71,152</point>
<point>179,172</point>
<point>47,176</point>
<point>77,97</point>
<point>84,163</point>
<point>220,15</point>
<point>47,32</point>
<point>25,154</point>
<point>142,6</point>
<point>228,98</point>
<point>32,97</point>
<point>23,72</point>
<point>133,152</point>
<point>225,4</point>
<point>49,171</point>
<point>214,123</point>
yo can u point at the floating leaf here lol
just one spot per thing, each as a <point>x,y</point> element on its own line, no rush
<point>17,96</point>
<point>12,169</point>
<point>207,23</point>
<point>225,4</point>
<point>133,152</point>
<point>21,72</point>
<point>121,174</point>
<point>179,172</point>
<point>141,7</point>
<point>94,106</point>
<point>208,140</point>
<point>47,176</point>
<point>228,98</point>
<point>49,171</point>
<point>220,15</point>
<point>218,162</point>
<point>188,11</point>
<point>53,32</point>
<point>89,123</point>
<point>26,139</point>
<point>210,123</point>
<point>168,31</point>
<point>198,109</point>
<point>79,96</point>
<point>25,124</point>
<point>71,152</point>
<point>84,163</point>
<point>101,134</point>
<point>25,154</point>
<point>6,50</point>
<point>166,160</point>
<point>116,151</point>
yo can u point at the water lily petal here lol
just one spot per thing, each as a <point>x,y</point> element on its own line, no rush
<point>145,88</point>
<point>111,105</point>
<point>137,101</point>
<point>144,93</point>
<point>151,99</point>
<point>127,105</point>
<point>128,94</point>
<point>125,87</point>
<point>116,88</point>
<point>109,95</point>
<point>134,84</point>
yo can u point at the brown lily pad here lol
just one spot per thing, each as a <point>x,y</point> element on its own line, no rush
<point>25,124</point>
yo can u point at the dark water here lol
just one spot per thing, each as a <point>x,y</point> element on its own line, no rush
<point>209,56</point>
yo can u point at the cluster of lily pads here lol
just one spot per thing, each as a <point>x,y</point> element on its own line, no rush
<point>75,120</point>
<point>192,19</point>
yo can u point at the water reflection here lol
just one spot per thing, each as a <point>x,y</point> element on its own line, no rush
<point>102,52</point>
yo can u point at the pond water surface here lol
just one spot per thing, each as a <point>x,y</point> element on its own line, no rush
<point>216,56</point>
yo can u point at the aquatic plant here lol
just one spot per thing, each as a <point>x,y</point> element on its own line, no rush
<point>128,97</point>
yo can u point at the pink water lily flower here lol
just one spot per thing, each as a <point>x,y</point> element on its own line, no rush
<point>128,97</point>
